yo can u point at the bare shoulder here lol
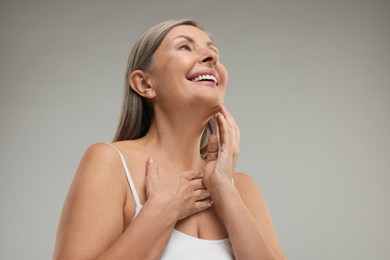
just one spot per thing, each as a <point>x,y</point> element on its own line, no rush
<point>98,187</point>
<point>251,195</point>
<point>100,160</point>
<point>99,174</point>
<point>243,177</point>
<point>103,152</point>
<point>245,183</point>
<point>255,203</point>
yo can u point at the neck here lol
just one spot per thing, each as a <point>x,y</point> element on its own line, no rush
<point>175,140</point>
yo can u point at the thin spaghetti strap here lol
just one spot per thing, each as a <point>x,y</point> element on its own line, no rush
<point>129,179</point>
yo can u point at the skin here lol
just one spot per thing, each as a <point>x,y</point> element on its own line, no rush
<point>178,189</point>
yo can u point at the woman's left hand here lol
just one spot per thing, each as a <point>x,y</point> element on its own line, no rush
<point>220,163</point>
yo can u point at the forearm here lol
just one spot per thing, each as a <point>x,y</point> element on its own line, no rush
<point>147,235</point>
<point>248,241</point>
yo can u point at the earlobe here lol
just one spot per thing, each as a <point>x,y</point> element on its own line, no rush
<point>140,83</point>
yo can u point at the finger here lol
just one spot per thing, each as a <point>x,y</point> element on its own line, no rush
<point>212,148</point>
<point>232,135</point>
<point>202,205</point>
<point>235,130</point>
<point>197,184</point>
<point>227,114</point>
<point>224,129</point>
<point>229,119</point>
<point>191,175</point>
<point>201,194</point>
<point>151,167</point>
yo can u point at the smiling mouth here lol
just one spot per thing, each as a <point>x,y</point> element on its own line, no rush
<point>205,77</point>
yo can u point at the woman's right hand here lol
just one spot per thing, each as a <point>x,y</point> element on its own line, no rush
<point>185,193</point>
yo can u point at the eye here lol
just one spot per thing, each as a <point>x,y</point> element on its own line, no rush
<point>185,47</point>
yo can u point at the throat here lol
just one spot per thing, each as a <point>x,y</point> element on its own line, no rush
<point>175,151</point>
<point>180,163</point>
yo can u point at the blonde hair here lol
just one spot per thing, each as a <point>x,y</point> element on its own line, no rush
<point>137,114</point>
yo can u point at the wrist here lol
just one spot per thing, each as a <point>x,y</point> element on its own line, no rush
<point>162,209</point>
<point>219,183</point>
<point>222,190</point>
<point>224,198</point>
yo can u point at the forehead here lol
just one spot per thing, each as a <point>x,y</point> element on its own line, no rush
<point>187,30</point>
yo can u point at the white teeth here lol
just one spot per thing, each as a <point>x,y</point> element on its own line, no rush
<point>203,77</point>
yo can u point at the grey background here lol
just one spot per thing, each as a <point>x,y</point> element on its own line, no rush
<point>309,87</point>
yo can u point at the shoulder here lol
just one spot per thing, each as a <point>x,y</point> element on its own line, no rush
<point>103,155</point>
<point>243,179</point>
<point>100,151</point>
<point>253,199</point>
<point>98,187</point>
<point>258,208</point>
<point>100,163</point>
<point>99,176</point>
<point>248,188</point>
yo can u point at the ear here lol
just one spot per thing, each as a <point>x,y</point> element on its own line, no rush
<point>140,83</point>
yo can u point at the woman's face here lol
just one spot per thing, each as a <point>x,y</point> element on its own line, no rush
<point>186,70</point>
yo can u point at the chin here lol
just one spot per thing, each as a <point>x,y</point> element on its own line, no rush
<point>208,96</point>
<point>211,104</point>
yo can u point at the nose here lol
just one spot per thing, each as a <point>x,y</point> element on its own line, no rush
<point>209,56</point>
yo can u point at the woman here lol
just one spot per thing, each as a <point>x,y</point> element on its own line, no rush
<point>166,188</point>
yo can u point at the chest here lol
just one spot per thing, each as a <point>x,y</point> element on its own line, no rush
<point>205,224</point>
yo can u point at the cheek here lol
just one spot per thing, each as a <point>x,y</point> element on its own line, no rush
<point>223,74</point>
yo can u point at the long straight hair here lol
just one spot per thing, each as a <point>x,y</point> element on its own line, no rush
<point>137,113</point>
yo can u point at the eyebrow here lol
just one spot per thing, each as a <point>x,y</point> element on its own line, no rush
<point>191,40</point>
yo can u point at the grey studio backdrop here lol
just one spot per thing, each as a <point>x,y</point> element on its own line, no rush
<point>309,87</point>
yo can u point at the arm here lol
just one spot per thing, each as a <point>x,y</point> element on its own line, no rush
<point>247,220</point>
<point>91,225</point>
<point>240,206</point>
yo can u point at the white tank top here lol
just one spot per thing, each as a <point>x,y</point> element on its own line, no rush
<point>182,246</point>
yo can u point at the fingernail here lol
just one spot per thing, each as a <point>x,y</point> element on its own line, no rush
<point>150,160</point>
